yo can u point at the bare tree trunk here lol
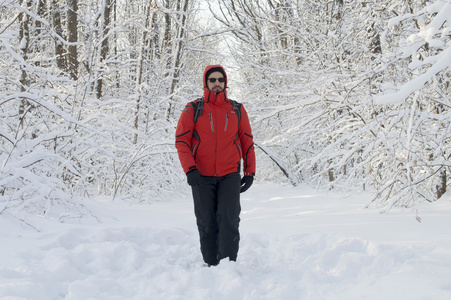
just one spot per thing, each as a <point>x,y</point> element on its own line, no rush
<point>72,28</point>
<point>115,50</point>
<point>24,37</point>
<point>139,71</point>
<point>373,34</point>
<point>41,9</point>
<point>59,48</point>
<point>41,12</point>
<point>155,47</point>
<point>166,50</point>
<point>375,44</point>
<point>104,45</point>
<point>178,55</point>
<point>441,189</point>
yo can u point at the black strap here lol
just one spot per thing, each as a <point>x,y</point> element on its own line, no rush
<point>199,104</point>
<point>236,106</point>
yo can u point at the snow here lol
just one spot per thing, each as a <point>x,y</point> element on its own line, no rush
<point>296,243</point>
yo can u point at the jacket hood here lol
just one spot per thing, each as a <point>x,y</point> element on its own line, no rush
<point>209,68</point>
<point>210,96</point>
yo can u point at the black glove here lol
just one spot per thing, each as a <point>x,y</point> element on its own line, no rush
<point>194,177</point>
<point>246,183</point>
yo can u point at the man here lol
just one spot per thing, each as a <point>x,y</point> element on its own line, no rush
<point>211,149</point>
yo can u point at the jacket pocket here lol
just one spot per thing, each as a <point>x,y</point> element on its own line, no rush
<point>211,123</point>
<point>227,121</point>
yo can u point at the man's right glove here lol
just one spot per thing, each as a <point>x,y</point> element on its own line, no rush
<point>194,177</point>
<point>246,183</point>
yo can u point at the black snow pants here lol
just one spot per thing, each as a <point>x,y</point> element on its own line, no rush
<point>217,209</point>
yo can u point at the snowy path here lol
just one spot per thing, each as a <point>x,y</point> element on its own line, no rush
<point>296,243</point>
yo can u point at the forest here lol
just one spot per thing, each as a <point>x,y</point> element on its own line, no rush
<point>348,95</point>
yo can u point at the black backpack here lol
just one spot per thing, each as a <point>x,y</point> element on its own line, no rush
<point>199,104</point>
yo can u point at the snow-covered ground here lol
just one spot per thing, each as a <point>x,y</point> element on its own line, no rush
<point>296,243</point>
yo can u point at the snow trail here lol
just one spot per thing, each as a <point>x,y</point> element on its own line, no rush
<point>296,243</point>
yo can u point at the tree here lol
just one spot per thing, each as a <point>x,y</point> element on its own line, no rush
<point>59,46</point>
<point>307,72</point>
<point>104,47</point>
<point>312,68</point>
<point>72,29</point>
<point>417,106</point>
<point>24,36</point>
<point>34,126</point>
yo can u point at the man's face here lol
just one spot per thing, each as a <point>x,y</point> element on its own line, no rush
<point>216,86</point>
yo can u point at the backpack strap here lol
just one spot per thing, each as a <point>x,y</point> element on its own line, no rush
<point>198,105</point>
<point>236,106</point>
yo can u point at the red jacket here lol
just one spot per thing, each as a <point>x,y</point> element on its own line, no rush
<point>216,143</point>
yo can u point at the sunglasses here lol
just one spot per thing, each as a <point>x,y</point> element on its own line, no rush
<point>213,80</point>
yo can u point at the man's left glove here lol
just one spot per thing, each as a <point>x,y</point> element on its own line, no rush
<point>246,183</point>
<point>194,177</point>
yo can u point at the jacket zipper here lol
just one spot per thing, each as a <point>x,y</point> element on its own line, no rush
<point>227,121</point>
